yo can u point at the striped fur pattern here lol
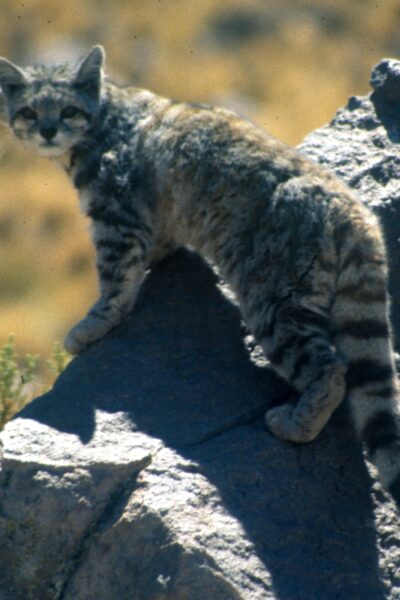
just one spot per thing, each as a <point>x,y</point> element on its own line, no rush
<point>305,258</point>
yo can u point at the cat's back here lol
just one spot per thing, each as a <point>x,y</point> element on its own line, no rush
<point>201,143</point>
<point>215,173</point>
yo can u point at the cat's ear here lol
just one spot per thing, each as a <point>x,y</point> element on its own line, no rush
<point>12,78</point>
<point>89,73</point>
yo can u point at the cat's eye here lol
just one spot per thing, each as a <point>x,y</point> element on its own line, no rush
<point>28,113</point>
<point>69,112</point>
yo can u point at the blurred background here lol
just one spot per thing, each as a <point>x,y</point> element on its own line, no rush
<point>285,64</point>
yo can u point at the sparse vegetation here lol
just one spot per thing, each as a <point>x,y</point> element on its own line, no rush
<point>59,360</point>
<point>20,378</point>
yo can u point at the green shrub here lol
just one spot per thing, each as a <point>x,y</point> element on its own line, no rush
<point>59,360</point>
<point>20,379</point>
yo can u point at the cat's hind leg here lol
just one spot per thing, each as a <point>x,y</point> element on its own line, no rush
<point>300,350</point>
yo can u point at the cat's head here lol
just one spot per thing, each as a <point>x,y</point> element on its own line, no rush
<point>50,108</point>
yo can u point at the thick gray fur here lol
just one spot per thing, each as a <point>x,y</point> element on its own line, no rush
<point>304,257</point>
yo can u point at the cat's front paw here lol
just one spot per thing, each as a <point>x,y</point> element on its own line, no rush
<point>282,422</point>
<point>75,341</point>
<point>85,333</point>
<point>72,344</point>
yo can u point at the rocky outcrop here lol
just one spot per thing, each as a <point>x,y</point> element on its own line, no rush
<point>361,145</point>
<point>147,472</point>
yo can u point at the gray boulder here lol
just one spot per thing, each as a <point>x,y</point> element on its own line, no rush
<point>361,145</point>
<point>147,472</point>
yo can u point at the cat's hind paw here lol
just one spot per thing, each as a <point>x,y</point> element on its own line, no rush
<point>282,422</point>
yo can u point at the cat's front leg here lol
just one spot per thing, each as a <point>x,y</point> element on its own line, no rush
<point>106,313</point>
<point>122,257</point>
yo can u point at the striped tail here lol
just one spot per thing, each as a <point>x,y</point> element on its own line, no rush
<point>361,330</point>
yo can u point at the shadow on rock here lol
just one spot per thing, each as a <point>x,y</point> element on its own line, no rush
<point>179,371</point>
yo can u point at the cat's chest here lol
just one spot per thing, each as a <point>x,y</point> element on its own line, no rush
<point>85,193</point>
<point>85,200</point>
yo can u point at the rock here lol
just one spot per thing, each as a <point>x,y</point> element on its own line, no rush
<point>147,473</point>
<point>385,80</point>
<point>361,145</point>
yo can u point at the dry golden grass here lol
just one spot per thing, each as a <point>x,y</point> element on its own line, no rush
<point>289,75</point>
<point>46,263</point>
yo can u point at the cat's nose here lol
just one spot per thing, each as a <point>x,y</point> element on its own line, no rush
<point>48,132</point>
